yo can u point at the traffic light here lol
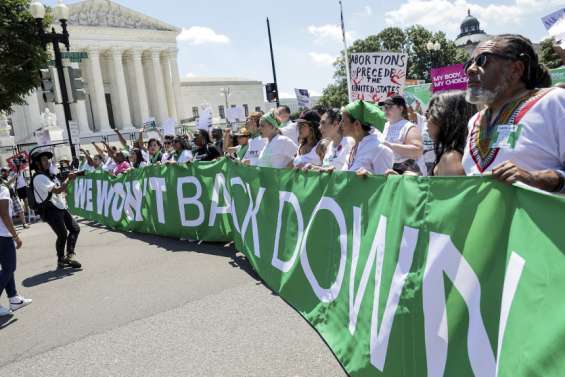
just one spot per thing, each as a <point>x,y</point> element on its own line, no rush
<point>49,85</point>
<point>272,92</point>
<point>75,84</point>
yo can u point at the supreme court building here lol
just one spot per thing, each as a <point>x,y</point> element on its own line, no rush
<point>129,64</point>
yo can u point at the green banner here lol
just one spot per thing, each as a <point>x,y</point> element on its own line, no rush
<point>404,276</point>
<point>423,93</point>
<point>557,75</point>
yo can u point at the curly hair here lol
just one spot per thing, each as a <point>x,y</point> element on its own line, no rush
<point>451,113</point>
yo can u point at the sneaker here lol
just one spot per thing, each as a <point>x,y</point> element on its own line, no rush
<point>26,226</point>
<point>71,262</point>
<point>19,302</point>
<point>4,311</point>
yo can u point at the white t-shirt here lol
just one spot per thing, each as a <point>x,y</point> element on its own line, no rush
<point>109,164</point>
<point>256,146</point>
<point>5,195</point>
<point>21,180</point>
<point>42,186</point>
<point>308,158</point>
<point>338,157</point>
<point>184,157</point>
<point>395,133</point>
<point>167,156</point>
<point>290,130</point>
<point>536,143</point>
<point>372,155</point>
<point>429,154</point>
<point>278,153</point>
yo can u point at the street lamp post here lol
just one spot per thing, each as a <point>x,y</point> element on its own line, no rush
<point>61,13</point>
<point>433,48</point>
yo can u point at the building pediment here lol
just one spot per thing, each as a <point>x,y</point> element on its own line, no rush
<point>106,13</point>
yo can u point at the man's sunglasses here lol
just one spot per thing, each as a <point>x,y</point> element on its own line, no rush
<point>482,59</point>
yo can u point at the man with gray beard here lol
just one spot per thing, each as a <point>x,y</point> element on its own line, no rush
<point>519,136</point>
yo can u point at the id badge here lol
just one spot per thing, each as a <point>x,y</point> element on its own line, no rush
<point>506,136</point>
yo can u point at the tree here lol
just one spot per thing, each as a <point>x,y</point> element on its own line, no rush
<point>21,53</point>
<point>411,41</point>
<point>548,55</point>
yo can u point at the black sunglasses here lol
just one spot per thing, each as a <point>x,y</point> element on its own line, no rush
<point>482,59</point>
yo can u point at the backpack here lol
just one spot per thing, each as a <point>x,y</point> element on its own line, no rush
<point>38,207</point>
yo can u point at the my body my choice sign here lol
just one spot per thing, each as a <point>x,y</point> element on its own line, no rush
<point>403,276</point>
<point>377,76</point>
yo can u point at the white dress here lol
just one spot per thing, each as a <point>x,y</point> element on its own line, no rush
<point>532,137</point>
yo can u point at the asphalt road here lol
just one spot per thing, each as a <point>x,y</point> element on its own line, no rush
<point>151,306</point>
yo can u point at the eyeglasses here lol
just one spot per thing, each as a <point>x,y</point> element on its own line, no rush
<point>482,59</point>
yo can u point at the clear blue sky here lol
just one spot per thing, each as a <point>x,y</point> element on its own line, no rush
<point>229,38</point>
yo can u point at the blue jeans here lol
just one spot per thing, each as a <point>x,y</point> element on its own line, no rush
<point>8,263</point>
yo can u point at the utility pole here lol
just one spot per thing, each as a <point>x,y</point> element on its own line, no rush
<point>273,61</point>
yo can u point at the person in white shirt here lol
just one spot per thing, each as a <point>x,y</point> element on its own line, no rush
<point>361,121</point>
<point>9,242</point>
<point>340,146</point>
<point>310,136</point>
<point>519,136</point>
<point>428,149</point>
<point>403,137</point>
<point>256,142</point>
<point>280,150</point>
<point>49,195</point>
<point>108,163</point>
<point>288,128</point>
<point>182,153</point>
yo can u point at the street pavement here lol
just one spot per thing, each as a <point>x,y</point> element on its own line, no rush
<point>151,306</point>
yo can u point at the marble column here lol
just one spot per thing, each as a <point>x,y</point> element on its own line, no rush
<point>160,95</point>
<point>176,84</point>
<point>140,89</point>
<point>168,81</point>
<point>96,86</point>
<point>123,118</point>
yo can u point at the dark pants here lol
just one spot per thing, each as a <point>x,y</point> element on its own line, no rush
<point>8,264</point>
<point>62,221</point>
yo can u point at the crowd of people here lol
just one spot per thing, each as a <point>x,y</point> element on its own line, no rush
<point>508,124</point>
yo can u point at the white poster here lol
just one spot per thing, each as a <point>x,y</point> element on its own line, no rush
<point>149,123</point>
<point>378,75</point>
<point>205,117</point>
<point>169,126</point>
<point>303,98</point>
<point>236,114</point>
<point>42,137</point>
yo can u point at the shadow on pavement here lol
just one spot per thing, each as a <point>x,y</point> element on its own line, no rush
<point>7,321</point>
<point>46,277</point>
<point>220,249</point>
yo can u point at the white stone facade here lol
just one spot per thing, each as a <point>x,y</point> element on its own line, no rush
<point>130,72</point>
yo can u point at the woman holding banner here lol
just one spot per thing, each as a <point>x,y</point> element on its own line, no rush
<point>339,149</point>
<point>403,137</point>
<point>362,121</point>
<point>256,141</point>
<point>309,136</point>
<point>280,150</point>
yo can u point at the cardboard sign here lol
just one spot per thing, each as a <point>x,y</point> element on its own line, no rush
<point>303,98</point>
<point>235,114</point>
<point>377,76</point>
<point>452,77</point>
<point>205,118</point>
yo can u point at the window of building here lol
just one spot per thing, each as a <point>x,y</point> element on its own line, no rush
<point>258,108</point>
<point>222,111</point>
<point>246,109</point>
<point>195,111</point>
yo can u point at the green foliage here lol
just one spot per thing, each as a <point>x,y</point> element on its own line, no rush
<point>21,53</point>
<point>411,41</point>
<point>548,55</point>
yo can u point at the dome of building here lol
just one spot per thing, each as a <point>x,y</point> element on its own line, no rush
<point>470,25</point>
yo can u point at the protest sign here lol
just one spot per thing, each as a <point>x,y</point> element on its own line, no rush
<point>403,276</point>
<point>169,126</point>
<point>552,18</point>
<point>303,98</point>
<point>452,77</point>
<point>42,137</point>
<point>205,117</point>
<point>235,114</point>
<point>18,162</point>
<point>557,75</point>
<point>377,76</point>
<point>149,123</point>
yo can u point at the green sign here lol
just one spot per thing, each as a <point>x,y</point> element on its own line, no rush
<point>403,276</point>
<point>423,93</point>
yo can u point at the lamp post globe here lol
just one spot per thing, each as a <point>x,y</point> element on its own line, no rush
<point>61,11</point>
<point>37,10</point>
<point>430,46</point>
<point>437,46</point>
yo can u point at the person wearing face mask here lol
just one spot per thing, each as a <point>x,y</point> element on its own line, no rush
<point>403,137</point>
<point>49,195</point>
<point>280,150</point>
<point>288,128</point>
<point>519,135</point>
<point>256,141</point>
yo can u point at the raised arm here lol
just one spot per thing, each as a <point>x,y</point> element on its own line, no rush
<point>121,137</point>
<point>98,149</point>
